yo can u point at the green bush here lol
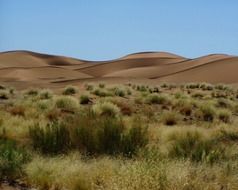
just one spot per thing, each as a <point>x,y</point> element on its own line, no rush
<point>101,92</point>
<point>108,135</point>
<point>101,85</point>
<point>32,92</point>
<point>89,87</point>
<point>12,159</point>
<point>4,95</point>
<point>120,92</point>
<point>191,145</point>
<point>67,103</point>
<point>207,113</point>
<point>106,109</point>
<point>70,90</point>
<point>224,115</point>
<point>157,99</point>
<point>51,139</point>
<point>45,94</point>
<point>84,99</point>
<point>170,118</point>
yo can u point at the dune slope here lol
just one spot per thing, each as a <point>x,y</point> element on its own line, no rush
<point>31,67</point>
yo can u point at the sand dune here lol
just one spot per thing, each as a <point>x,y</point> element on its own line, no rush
<point>36,68</point>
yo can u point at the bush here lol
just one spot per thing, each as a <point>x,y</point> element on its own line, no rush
<point>185,107</point>
<point>4,95</point>
<point>84,99</point>
<point>17,110</point>
<point>32,92</point>
<point>12,159</point>
<point>106,109</point>
<point>120,92</point>
<point>191,145</point>
<point>67,104</point>
<point>223,103</point>
<point>51,139</point>
<point>101,92</point>
<point>108,135</point>
<point>70,90</point>
<point>45,94</point>
<point>89,87</point>
<point>157,99</point>
<point>207,113</point>
<point>224,115</point>
<point>170,118</point>
<point>101,85</point>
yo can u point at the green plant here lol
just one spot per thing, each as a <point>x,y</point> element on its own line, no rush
<point>4,95</point>
<point>106,109</point>
<point>157,99</point>
<point>12,159</point>
<point>84,99</point>
<point>191,145</point>
<point>224,115</point>
<point>45,94</point>
<point>70,90</point>
<point>207,113</point>
<point>89,87</point>
<point>52,139</point>
<point>170,118</point>
<point>67,103</point>
<point>101,85</point>
<point>120,92</point>
<point>32,92</point>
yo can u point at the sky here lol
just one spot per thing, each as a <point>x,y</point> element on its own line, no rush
<point>108,29</point>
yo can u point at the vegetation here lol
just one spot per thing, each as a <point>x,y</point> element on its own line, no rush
<point>130,137</point>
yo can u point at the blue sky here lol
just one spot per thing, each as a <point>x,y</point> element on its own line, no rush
<point>107,29</point>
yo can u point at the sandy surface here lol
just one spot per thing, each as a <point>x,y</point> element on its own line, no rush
<point>23,69</point>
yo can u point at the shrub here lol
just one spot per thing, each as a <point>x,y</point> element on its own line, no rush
<point>120,92</point>
<point>191,145</point>
<point>198,95</point>
<point>101,92</point>
<point>141,88</point>
<point>70,90</point>
<point>157,99</point>
<point>170,118</point>
<point>32,92</point>
<point>224,115</point>
<point>106,109</point>
<point>125,108</point>
<point>45,94</point>
<point>4,95</point>
<point>17,110</point>
<point>84,99</point>
<point>207,113</point>
<point>101,85</point>
<point>51,139</point>
<point>89,87</point>
<point>12,159</point>
<point>108,135</point>
<point>223,103</point>
<point>185,107</point>
<point>134,139</point>
<point>67,104</point>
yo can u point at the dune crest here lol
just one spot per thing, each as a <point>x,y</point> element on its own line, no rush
<point>31,67</point>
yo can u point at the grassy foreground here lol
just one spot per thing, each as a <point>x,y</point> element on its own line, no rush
<point>127,137</point>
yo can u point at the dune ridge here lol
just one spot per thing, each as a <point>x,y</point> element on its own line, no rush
<point>38,68</point>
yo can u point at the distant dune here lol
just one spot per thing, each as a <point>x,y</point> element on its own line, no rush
<point>30,68</point>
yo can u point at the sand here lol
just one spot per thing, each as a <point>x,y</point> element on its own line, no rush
<point>25,68</point>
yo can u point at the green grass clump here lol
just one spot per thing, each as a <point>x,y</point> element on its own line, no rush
<point>191,144</point>
<point>120,92</point>
<point>170,118</point>
<point>84,99</point>
<point>52,139</point>
<point>45,94</point>
<point>4,95</point>
<point>106,109</point>
<point>101,85</point>
<point>89,87</point>
<point>67,103</point>
<point>32,92</point>
<point>12,159</point>
<point>207,113</point>
<point>224,115</point>
<point>101,92</point>
<point>157,99</point>
<point>108,135</point>
<point>70,90</point>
